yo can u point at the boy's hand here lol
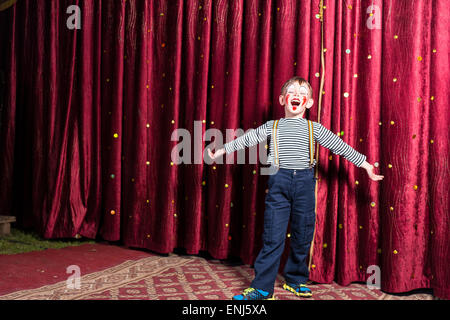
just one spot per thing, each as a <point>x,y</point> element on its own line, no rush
<point>216,154</point>
<point>369,169</point>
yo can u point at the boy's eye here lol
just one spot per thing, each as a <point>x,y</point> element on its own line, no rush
<point>303,93</point>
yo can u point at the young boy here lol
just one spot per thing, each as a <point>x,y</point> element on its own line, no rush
<point>291,190</point>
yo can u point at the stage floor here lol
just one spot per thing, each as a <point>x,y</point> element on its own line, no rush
<point>111,272</point>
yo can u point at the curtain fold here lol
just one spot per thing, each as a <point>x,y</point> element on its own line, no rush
<point>89,119</point>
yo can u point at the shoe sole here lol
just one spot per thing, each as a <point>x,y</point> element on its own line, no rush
<point>271,298</point>
<point>298,294</point>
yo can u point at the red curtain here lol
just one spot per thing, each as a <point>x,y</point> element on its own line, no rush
<point>87,118</point>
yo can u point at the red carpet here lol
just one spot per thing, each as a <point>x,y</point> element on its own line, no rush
<point>39,268</point>
<point>113,273</point>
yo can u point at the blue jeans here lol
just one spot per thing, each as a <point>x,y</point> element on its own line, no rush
<point>291,197</point>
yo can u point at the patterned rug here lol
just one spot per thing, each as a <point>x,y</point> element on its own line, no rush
<point>176,277</point>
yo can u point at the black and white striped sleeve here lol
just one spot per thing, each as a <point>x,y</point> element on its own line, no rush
<point>329,140</point>
<point>250,138</point>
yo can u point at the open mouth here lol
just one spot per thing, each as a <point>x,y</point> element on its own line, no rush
<point>297,102</point>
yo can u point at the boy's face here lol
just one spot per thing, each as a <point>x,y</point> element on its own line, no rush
<point>296,100</point>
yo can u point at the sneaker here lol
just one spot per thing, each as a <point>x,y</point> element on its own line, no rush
<point>300,290</point>
<point>254,294</point>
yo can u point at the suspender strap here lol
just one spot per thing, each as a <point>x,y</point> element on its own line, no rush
<point>275,141</point>
<point>311,142</point>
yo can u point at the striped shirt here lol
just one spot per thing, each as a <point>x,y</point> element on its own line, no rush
<point>293,143</point>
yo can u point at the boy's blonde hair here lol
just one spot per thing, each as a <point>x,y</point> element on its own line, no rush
<point>300,81</point>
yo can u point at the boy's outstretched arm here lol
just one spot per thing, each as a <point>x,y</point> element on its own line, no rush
<point>369,169</point>
<point>251,138</point>
<point>329,140</point>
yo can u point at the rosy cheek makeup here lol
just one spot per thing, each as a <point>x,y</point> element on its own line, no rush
<point>304,100</point>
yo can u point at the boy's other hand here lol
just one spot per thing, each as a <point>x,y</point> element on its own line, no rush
<point>216,154</point>
<point>369,169</point>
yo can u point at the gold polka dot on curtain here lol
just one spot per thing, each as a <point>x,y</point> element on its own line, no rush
<point>5,4</point>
